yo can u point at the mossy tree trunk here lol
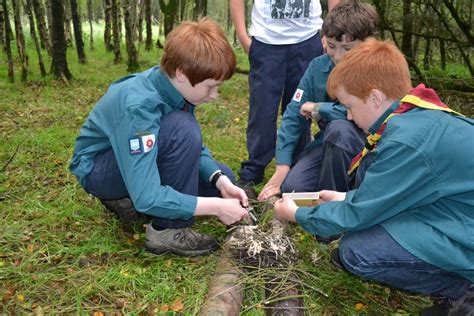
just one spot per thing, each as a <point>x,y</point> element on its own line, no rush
<point>34,36</point>
<point>129,34</point>
<point>89,18</point>
<point>59,62</point>
<point>76,22</point>
<point>20,39</point>
<point>41,25</point>
<point>6,41</point>
<point>108,25</point>
<point>149,34</point>
<point>116,31</point>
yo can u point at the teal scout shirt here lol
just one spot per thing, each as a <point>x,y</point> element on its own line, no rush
<point>420,188</point>
<point>128,115</point>
<point>312,88</point>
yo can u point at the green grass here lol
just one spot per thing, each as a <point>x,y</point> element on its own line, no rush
<point>60,252</point>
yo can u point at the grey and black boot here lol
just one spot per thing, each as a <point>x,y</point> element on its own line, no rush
<point>126,213</point>
<point>446,307</point>
<point>181,241</point>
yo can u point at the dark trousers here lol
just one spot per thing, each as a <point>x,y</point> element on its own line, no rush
<point>324,167</point>
<point>275,71</point>
<point>373,254</point>
<point>179,148</point>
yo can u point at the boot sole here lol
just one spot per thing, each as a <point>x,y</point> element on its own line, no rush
<point>189,253</point>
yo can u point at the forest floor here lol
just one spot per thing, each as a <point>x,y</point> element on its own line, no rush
<point>61,252</point>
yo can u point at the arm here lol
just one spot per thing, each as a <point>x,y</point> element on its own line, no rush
<point>237,13</point>
<point>399,180</point>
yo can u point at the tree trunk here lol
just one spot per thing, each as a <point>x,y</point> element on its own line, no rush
<point>6,42</point>
<point>20,39</point>
<point>200,9</point>
<point>76,22</point>
<point>139,23</point>
<point>28,6</point>
<point>108,25</point>
<point>427,57</point>
<point>464,26</point>
<point>116,32</point>
<point>67,22</point>
<point>169,12</point>
<point>149,35</point>
<point>59,62</point>
<point>89,17</point>
<point>41,25</point>
<point>129,35</point>
<point>407,29</point>
<point>442,54</point>
<point>2,29</point>
<point>49,16</point>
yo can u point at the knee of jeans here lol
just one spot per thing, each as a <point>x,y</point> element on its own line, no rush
<point>344,134</point>
<point>291,184</point>
<point>352,257</point>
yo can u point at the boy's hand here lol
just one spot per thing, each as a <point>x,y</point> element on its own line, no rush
<point>273,185</point>
<point>231,211</point>
<point>310,110</point>
<point>285,209</point>
<point>328,195</point>
<point>230,191</point>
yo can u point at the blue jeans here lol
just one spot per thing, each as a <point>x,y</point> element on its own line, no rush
<point>179,149</point>
<point>275,71</point>
<point>324,166</point>
<point>373,254</point>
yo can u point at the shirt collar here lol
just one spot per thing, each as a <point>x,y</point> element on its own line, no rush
<point>170,95</point>
<point>327,68</point>
<point>375,127</point>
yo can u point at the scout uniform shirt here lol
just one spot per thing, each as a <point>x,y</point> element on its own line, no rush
<point>420,188</point>
<point>127,118</point>
<point>312,88</point>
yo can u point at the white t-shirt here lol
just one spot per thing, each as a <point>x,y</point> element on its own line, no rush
<point>280,22</point>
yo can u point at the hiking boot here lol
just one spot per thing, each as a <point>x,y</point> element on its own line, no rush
<point>336,260</point>
<point>181,241</point>
<point>447,307</point>
<point>126,213</point>
<point>248,187</point>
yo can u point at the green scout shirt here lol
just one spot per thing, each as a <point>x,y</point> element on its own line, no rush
<point>131,112</point>
<point>420,188</point>
<point>312,88</point>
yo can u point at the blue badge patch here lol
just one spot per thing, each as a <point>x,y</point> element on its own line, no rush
<point>135,146</point>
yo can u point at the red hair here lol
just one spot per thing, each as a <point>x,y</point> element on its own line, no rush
<point>200,50</point>
<point>371,65</point>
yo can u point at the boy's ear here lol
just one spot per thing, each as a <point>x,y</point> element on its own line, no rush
<point>180,76</point>
<point>377,97</point>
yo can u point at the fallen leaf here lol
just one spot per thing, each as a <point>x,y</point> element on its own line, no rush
<point>177,305</point>
<point>360,306</point>
<point>98,314</point>
<point>164,308</point>
<point>151,310</point>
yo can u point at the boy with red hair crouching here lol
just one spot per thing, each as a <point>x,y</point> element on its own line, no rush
<point>141,147</point>
<point>410,223</point>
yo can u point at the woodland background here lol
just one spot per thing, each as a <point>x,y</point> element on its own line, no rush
<point>62,253</point>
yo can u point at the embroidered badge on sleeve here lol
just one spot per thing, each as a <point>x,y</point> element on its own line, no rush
<point>148,142</point>
<point>298,95</point>
<point>135,146</point>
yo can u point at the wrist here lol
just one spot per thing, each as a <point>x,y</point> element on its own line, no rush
<point>215,178</point>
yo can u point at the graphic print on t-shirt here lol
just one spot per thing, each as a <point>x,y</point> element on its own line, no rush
<point>290,9</point>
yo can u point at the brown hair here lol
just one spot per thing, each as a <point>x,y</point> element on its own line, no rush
<point>371,65</point>
<point>355,19</point>
<point>200,50</point>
